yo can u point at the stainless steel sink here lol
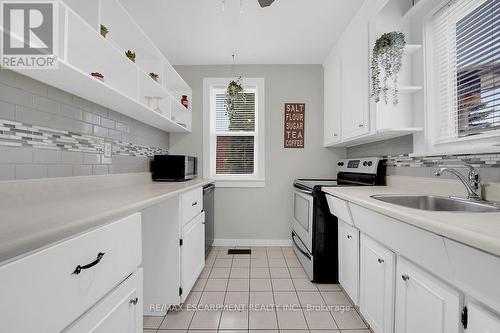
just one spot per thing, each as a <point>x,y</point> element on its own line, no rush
<point>435,203</point>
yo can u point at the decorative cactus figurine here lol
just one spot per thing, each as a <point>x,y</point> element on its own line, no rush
<point>104,31</point>
<point>130,55</point>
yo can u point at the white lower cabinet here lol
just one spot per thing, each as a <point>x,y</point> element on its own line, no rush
<point>349,259</point>
<point>376,291</point>
<point>481,321</point>
<point>120,311</point>
<point>423,303</point>
<point>192,253</point>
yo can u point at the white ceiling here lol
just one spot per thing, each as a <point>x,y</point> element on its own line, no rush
<point>198,32</point>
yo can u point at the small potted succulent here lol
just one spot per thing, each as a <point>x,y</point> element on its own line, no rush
<point>104,30</point>
<point>154,76</point>
<point>387,55</point>
<point>98,76</point>
<point>130,55</point>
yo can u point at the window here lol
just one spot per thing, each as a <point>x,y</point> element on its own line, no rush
<point>466,42</point>
<point>233,147</point>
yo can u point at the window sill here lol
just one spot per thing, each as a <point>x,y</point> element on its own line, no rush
<point>240,183</point>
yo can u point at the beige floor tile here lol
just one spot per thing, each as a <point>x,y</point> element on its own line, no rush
<point>196,331</point>
<point>216,285</point>
<point>263,331</point>
<point>259,262</point>
<point>310,299</point>
<point>335,298</point>
<point>199,285</point>
<point>263,320</point>
<point>171,331</point>
<point>223,262</point>
<point>212,299</point>
<point>238,285</point>
<point>205,320</point>
<point>328,287</point>
<point>349,319</point>
<point>148,331</point>
<point>220,272</point>
<point>209,262</point>
<point>260,285</point>
<point>324,331</point>
<point>279,272</point>
<point>152,322</point>
<point>277,262</point>
<point>297,272</point>
<point>289,254</point>
<point>293,262</point>
<point>291,320</point>
<point>205,272</point>
<point>274,253</point>
<point>240,273</point>
<point>304,285</point>
<point>286,299</point>
<point>319,320</point>
<point>258,254</point>
<point>261,298</point>
<point>241,262</point>
<point>259,273</point>
<point>177,320</point>
<point>282,285</point>
<point>294,331</point>
<point>237,299</point>
<point>192,300</point>
<point>224,255</point>
<point>234,320</point>
<point>356,331</point>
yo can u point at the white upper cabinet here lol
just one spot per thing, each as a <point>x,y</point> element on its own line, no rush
<point>423,303</point>
<point>332,77</point>
<point>376,285</point>
<point>481,321</point>
<point>354,82</point>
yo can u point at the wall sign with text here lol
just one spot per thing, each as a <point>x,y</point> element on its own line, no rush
<point>294,125</point>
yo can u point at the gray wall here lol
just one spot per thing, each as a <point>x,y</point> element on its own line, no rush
<point>265,213</point>
<point>25,103</point>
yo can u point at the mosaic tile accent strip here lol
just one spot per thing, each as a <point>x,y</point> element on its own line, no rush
<point>478,161</point>
<point>16,134</point>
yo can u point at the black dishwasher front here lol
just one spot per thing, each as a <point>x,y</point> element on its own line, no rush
<point>208,207</point>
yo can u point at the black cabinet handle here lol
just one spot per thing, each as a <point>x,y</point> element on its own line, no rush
<point>134,301</point>
<point>380,261</point>
<point>79,268</point>
<point>194,203</point>
<point>405,277</point>
<point>349,236</point>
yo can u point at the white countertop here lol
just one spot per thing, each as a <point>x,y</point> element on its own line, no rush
<point>479,230</point>
<point>28,225</point>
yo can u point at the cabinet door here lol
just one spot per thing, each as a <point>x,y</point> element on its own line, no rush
<point>355,97</point>
<point>120,311</point>
<point>192,253</point>
<point>332,77</point>
<point>481,320</point>
<point>349,260</point>
<point>376,285</point>
<point>423,303</point>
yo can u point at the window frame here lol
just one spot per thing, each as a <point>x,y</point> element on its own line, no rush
<point>257,179</point>
<point>484,142</point>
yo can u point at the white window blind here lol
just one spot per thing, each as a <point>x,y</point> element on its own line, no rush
<point>235,147</point>
<point>466,37</point>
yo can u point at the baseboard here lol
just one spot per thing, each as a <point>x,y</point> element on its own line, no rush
<point>252,242</point>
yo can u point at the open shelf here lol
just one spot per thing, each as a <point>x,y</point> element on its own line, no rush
<point>409,89</point>
<point>379,135</point>
<point>126,84</point>
<point>412,48</point>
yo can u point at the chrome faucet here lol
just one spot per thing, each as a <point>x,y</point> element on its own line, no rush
<point>472,184</point>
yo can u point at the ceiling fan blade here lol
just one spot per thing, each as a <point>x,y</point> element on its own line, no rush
<point>265,3</point>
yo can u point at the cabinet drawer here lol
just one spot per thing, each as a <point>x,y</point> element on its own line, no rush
<point>120,311</point>
<point>47,287</point>
<point>191,204</point>
<point>340,209</point>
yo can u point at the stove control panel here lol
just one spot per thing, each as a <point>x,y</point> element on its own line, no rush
<point>359,165</point>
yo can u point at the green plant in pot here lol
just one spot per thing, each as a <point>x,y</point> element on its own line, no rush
<point>104,30</point>
<point>387,55</point>
<point>234,92</point>
<point>130,55</point>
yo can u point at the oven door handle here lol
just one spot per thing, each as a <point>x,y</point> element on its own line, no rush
<point>298,246</point>
<point>302,190</point>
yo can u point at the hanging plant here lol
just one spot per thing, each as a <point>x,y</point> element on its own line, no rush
<point>387,55</point>
<point>233,93</point>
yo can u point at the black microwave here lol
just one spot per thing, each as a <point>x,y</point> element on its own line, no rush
<point>173,168</point>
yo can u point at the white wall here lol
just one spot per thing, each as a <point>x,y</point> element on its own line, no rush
<point>265,213</point>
